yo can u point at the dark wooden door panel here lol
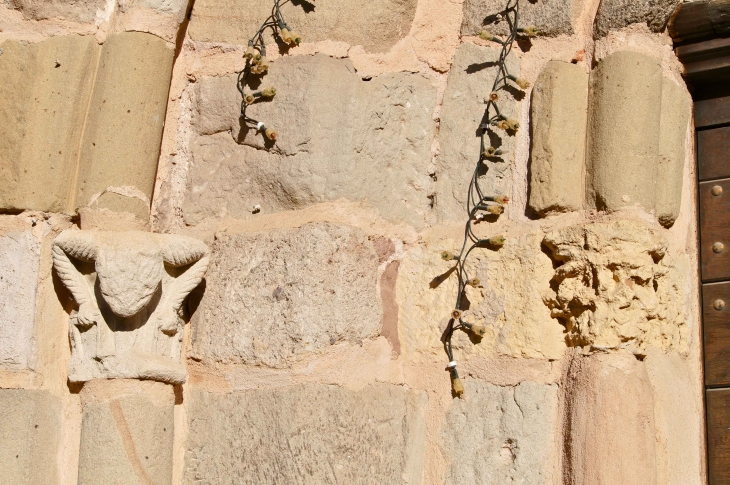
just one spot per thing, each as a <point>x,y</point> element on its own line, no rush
<point>713,153</point>
<point>715,229</point>
<point>718,436</point>
<point>712,112</point>
<point>716,321</point>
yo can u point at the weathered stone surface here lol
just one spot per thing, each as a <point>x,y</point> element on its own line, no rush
<point>513,280</point>
<point>127,438</point>
<point>551,17</point>
<point>273,298</point>
<point>559,116</point>
<point>129,288</point>
<point>377,28</point>
<point>121,143</point>
<point>610,423</point>
<point>30,433</point>
<point>470,80</point>
<point>307,434</point>
<point>76,10</point>
<point>502,435</point>
<point>335,132</point>
<point>616,14</point>
<point>19,265</point>
<point>616,288</point>
<point>42,119</point>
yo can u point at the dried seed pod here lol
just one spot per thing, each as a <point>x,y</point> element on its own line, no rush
<point>270,134</point>
<point>263,65</point>
<point>479,330</point>
<point>296,38</point>
<point>456,314</point>
<point>513,125</point>
<point>457,386</point>
<point>474,282</point>
<point>495,209</point>
<point>286,36</point>
<point>503,125</point>
<point>523,83</point>
<point>250,53</point>
<point>497,240</point>
<point>269,92</point>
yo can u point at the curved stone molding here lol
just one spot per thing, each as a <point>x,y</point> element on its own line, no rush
<point>129,288</point>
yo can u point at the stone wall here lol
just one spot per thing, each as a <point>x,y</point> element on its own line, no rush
<point>189,303</point>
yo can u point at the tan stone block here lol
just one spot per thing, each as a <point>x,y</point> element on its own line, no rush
<point>610,422</point>
<point>75,10</point>
<point>44,89</point>
<point>30,433</point>
<point>377,26</point>
<point>310,434</point>
<point>559,116</point>
<point>121,143</point>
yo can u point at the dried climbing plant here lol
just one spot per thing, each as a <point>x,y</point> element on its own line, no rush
<point>258,65</point>
<point>478,204</point>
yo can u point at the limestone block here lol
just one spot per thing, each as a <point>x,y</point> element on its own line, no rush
<point>129,288</point>
<point>75,10</point>
<point>377,27</point>
<point>616,14</point>
<point>30,433</point>
<point>41,120</point>
<point>559,115</point>
<point>550,17</point>
<point>335,131</point>
<point>273,298</point>
<point>502,435</point>
<point>470,79</point>
<point>615,287</point>
<point>610,422</point>
<point>309,434</point>
<point>121,143</point>
<point>127,437</point>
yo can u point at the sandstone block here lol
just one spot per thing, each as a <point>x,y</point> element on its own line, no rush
<point>306,434</point>
<point>502,434</point>
<point>610,422</point>
<point>335,131</point>
<point>551,18</point>
<point>41,120</point>
<point>616,14</point>
<point>19,266</point>
<point>75,10</point>
<point>127,436</point>
<point>377,28</point>
<point>272,298</point>
<point>30,433</point>
<point>121,144</point>
<point>559,115</point>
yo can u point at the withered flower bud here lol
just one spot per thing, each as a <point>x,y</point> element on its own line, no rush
<point>269,92</point>
<point>474,282</point>
<point>249,98</point>
<point>501,199</point>
<point>270,134</point>
<point>456,314</point>
<point>497,240</point>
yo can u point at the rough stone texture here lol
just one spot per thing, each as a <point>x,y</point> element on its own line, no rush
<point>616,288</point>
<point>377,28</point>
<point>19,265</point>
<point>129,288</point>
<point>502,435</point>
<point>551,17</point>
<point>306,434</point>
<point>30,433</point>
<point>121,143</point>
<point>470,79</point>
<point>76,10</point>
<point>275,297</point>
<point>128,439</point>
<point>42,119</point>
<point>616,14</point>
<point>335,132</point>
<point>610,424</point>
<point>512,279</point>
<point>558,122</point>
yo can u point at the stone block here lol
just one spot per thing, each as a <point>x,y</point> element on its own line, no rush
<point>309,434</point>
<point>550,17</point>
<point>273,298</point>
<point>335,131</point>
<point>121,143</point>
<point>610,422</point>
<point>19,266</point>
<point>127,435</point>
<point>502,435</point>
<point>377,27</point>
<point>470,79</point>
<point>30,433</point>
<point>616,14</point>
<point>41,120</point>
<point>559,113</point>
<point>75,10</point>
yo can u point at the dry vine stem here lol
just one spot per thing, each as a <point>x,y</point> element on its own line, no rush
<point>258,65</point>
<point>478,204</point>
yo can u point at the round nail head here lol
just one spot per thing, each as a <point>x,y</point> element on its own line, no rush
<point>719,304</point>
<point>718,247</point>
<point>716,190</point>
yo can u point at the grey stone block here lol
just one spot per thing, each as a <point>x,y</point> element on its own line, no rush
<point>75,10</point>
<point>551,17</point>
<point>273,298</point>
<point>310,434</point>
<point>30,435</point>
<point>616,14</point>
<point>559,115</point>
